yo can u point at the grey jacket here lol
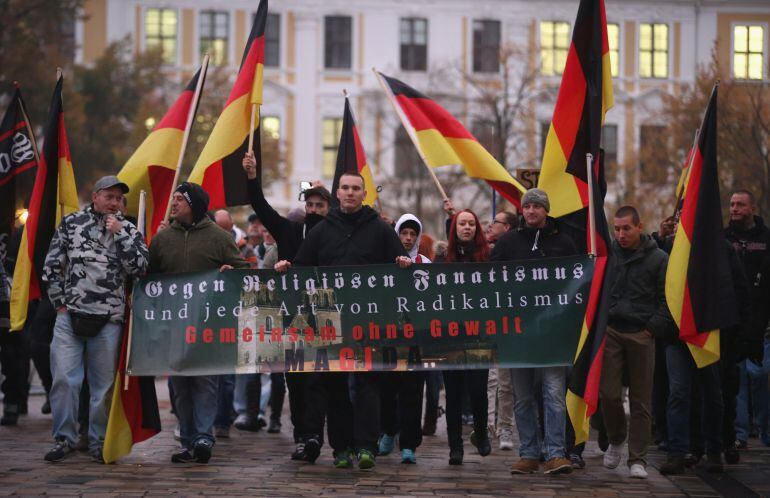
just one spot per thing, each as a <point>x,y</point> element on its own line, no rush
<point>87,267</point>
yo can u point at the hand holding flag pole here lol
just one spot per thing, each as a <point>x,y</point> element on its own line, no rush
<point>185,137</point>
<point>410,132</point>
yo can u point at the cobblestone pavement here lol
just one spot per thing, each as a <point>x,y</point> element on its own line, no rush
<point>259,465</point>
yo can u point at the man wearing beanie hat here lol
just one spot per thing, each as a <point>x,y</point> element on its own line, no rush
<point>538,238</point>
<point>192,242</point>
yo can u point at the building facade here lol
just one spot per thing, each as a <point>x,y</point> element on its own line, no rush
<point>317,48</point>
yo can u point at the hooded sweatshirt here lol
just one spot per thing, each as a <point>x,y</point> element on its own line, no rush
<point>413,253</point>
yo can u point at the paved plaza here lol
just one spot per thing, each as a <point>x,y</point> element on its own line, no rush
<point>259,465</point>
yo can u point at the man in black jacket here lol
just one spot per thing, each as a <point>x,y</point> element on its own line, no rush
<point>289,236</point>
<point>637,313</point>
<point>352,234</point>
<point>538,238</point>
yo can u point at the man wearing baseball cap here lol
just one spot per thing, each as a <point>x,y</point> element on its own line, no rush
<point>93,253</point>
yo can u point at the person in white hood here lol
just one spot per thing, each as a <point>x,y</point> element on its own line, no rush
<point>409,228</point>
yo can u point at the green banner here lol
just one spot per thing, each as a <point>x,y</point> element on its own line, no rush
<point>355,318</point>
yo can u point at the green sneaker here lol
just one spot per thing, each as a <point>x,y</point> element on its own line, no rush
<point>343,459</point>
<point>365,459</point>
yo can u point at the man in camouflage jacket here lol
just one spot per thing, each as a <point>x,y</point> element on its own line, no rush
<point>92,255</point>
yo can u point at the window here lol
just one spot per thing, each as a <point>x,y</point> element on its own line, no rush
<point>484,132</point>
<point>610,145</point>
<point>414,44</point>
<point>332,129</point>
<point>408,162</point>
<point>653,161</point>
<point>554,47</point>
<point>214,35</point>
<point>271,127</point>
<point>338,45</point>
<point>613,37</point>
<point>653,50</point>
<point>748,52</point>
<point>160,28</point>
<point>273,40</point>
<point>486,46</point>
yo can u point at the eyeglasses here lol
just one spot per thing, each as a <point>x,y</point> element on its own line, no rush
<point>497,221</point>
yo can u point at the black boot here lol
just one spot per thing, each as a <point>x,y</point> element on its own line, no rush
<point>480,439</point>
<point>713,463</point>
<point>674,465</point>
<point>10,415</point>
<point>455,456</point>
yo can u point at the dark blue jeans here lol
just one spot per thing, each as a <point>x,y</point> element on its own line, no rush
<point>682,375</point>
<point>225,394</point>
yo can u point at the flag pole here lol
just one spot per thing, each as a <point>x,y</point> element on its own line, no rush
<point>29,127</point>
<point>410,132</point>
<point>188,127</point>
<point>686,174</point>
<point>59,75</point>
<point>141,226</point>
<point>591,208</point>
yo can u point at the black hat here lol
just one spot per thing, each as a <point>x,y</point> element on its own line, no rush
<point>318,191</point>
<point>408,223</point>
<point>196,197</point>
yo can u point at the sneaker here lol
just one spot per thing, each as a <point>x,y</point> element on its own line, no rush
<point>741,445</point>
<point>407,456</point>
<point>343,459</point>
<point>558,465</point>
<point>177,433</point>
<point>46,408</point>
<point>732,456</point>
<point>182,456</point>
<point>312,449</point>
<point>10,415</point>
<point>673,465</point>
<point>82,444</point>
<point>506,439</point>
<point>577,461</point>
<point>61,450</point>
<point>612,456</point>
<point>365,460</point>
<point>274,427</point>
<point>713,463</point>
<point>97,455</point>
<point>245,422</point>
<point>299,453</point>
<point>386,444</point>
<point>480,439</point>
<point>525,466</point>
<point>202,450</point>
<point>456,456</point>
<point>261,420</point>
<point>638,471</point>
<point>221,432</point>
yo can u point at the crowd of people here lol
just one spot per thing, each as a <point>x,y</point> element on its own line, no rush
<point>73,334</point>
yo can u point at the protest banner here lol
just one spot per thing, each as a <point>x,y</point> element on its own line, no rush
<point>356,318</point>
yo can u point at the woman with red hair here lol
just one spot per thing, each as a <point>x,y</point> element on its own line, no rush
<point>466,245</point>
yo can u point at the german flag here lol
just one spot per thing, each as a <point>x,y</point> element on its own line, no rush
<point>134,413</point>
<point>699,286</point>
<point>219,168</point>
<point>53,196</point>
<point>584,97</point>
<point>351,158</point>
<point>443,141</point>
<point>152,166</point>
<point>18,165</point>
<point>585,377</point>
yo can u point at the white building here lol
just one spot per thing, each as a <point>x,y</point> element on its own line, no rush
<point>315,49</point>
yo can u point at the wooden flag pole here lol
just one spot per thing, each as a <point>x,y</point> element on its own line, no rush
<point>410,132</point>
<point>591,208</point>
<point>251,127</point>
<point>187,129</point>
<point>141,225</point>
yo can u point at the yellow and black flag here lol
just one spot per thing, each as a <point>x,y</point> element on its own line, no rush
<point>18,165</point>
<point>54,196</point>
<point>443,140</point>
<point>699,284</point>
<point>219,168</point>
<point>352,158</point>
<point>152,166</point>
<point>584,97</point>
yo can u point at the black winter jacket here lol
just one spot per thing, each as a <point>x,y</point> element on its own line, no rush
<point>346,239</point>
<point>533,243</point>
<point>638,291</point>
<point>287,234</point>
<point>751,246</point>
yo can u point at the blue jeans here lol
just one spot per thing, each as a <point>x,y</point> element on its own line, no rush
<point>196,407</point>
<point>554,381</point>
<point>754,387</point>
<point>225,394</point>
<point>70,354</point>
<point>682,372</point>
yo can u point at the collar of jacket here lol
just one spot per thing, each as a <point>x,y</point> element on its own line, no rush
<point>338,217</point>
<point>176,225</point>
<point>736,231</point>
<point>646,244</point>
<point>548,229</point>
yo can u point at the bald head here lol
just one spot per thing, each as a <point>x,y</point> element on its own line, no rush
<point>224,220</point>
